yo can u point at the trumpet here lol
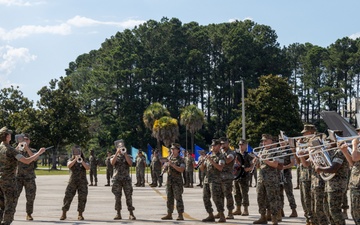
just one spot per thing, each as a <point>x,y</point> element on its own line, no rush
<point>79,159</point>
<point>166,165</point>
<point>201,161</point>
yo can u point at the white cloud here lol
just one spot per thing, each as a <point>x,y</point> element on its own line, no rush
<point>19,3</point>
<point>79,21</point>
<point>237,19</point>
<point>10,57</point>
<point>354,36</point>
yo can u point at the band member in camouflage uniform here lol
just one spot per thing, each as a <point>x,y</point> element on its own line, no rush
<point>227,177</point>
<point>189,170</point>
<point>25,177</point>
<point>156,170</point>
<point>140,169</point>
<point>335,187</point>
<point>174,184</point>
<point>289,162</point>
<point>9,157</point>
<point>268,183</point>
<point>109,168</point>
<point>212,189</point>
<point>241,185</point>
<point>121,162</point>
<point>93,161</point>
<point>77,183</point>
<point>201,173</point>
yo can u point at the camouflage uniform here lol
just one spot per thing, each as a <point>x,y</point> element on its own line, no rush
<point>109,170</point>
<point>268,188</point>
<point>25,177</point>
<point>336,187</point>
<point>93,161</point>
<point>140,169</point>
<point>201,173</point>
<point>227,180</point>
<point>155,166</point>
<point>305,191</point>
<point>189,171</point>
<point>286,183</point>
<point>320,216</point>
<point>121,180</point>
<point>8,190</point>
<point>174,186</point>
<point>212,184</point>
<point>241,186</point>
<point>354,186</point>
<point>77,183</point>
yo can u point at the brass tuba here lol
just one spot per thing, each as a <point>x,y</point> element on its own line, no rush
<point>319,155</point>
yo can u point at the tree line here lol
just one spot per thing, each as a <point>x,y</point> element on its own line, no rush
<point>188,70</point>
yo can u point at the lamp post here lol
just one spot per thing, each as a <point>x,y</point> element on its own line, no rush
<point>242,108</point>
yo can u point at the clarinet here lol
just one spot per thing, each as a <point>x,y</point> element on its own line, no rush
<point>201,162</point>
<point>166,165</point>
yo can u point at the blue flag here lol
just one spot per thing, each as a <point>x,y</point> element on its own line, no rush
<point>182,150</point>
<point>249,149</point>
<point>134,152</point>
<point>149,152</point>
<point>197,154</point>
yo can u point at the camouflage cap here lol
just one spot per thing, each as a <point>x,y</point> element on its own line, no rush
<point>266,137</point>
<point>308,127</point>
<point>357,129</point>
<point>215,142</point>
<point>5,130</point>
<point>242,142</point>
<point>223,140</point>
<point>175,145</point>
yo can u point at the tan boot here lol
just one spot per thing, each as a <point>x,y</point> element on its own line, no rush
<point>268,215</point>
<point>222,218</point>
<point>246,211</point>
<point>237,211</point>
<point>262,220</point>
<point>167,217</point>
<point>131,216</point>
<point>293,213</point>
<point>180,217</point>
<point>210,218</point>
<point>118,215</point>
<point>230,215</point>
<point>217,216</point>
<point>29,217</point>
<point>274,219</point>
<point>278,216</point>
<point>63,216</point>
<point>80,216</point>
<point>344,214</point>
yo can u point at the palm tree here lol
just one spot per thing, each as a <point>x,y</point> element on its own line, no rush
<point>166,129</point>
<point>152,113</point>
<point>193,119</point>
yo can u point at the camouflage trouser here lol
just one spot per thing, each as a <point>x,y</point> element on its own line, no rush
<point>8,200</point>
<point>174,191</point>
<point>355,205</point>
<point>140,176</point>
<point>30,192</point>
<point>334,200</point>
<point>288,187</point>
<point>318,202</point>
<point>268,194</point>
<point>241,192</point>
<point>305,195</point>
<point>201,176</point>
<point>109,175</point>
<point>227,190</point>
<point>93,175</point>
<point>214,191</point>
<point>82,190</point>
<point>156,177</point>
<point>189,177</point>
<point>117,188</point>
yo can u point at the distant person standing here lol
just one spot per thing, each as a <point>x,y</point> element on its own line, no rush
<point>140,169</point>
<point>189,170</point>
<point>93,168</point>
<point>201,173</point>
<point>109,168</point>
<point>25,177</point>
<point>156,169</point>
<point>77,183</point>
<point>9,157</point>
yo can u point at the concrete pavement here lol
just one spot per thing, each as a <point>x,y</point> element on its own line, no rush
<point>149,203</point>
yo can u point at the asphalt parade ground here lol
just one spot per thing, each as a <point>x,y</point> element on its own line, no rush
<point>149,203</point>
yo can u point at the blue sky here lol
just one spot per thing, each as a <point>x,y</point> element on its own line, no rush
<point>39,38</point>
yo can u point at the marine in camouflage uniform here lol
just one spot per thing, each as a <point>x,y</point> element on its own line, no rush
<point>77,183</point>
<point>174,183</point>
<point>335,187</point>
<point>189,170</point>
<point>241,185</point>
<point>212,189</point>
<point>156,169</point>
<point>109,169</point>
<point>122,181</point>
<point>201,173</point>
<point>93,161</point>
<point>227,177</point>
<point>140,169</point>
<point>268,183</point>
<point>9,157</point>
<point>25,178</point>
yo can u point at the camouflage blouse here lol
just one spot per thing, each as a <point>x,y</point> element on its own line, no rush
<point>26,171</point>
<point>155,163</point>
<point>227,172</point>
<point>212,174</point>
<point>172,172</point>
<point>268,173</point>
<point>339,181</point>
<point>355,176</point>
<point>8,161</point>
<point>121,169</point>
<point>77,173</point>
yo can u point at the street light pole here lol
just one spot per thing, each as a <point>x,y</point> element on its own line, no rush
<point>243,110</point>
